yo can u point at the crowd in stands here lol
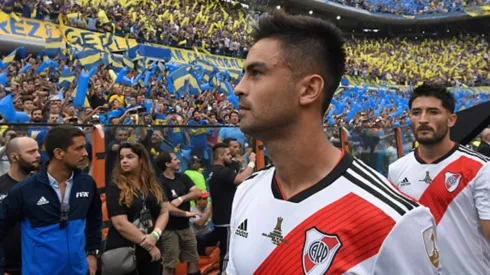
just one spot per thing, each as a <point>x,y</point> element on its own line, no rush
<point>462,60</point>
<point>222,28</point>
<point>410,7</point>
<point>215,26</point>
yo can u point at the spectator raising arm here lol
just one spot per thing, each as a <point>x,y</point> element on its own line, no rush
<point>242,176</point>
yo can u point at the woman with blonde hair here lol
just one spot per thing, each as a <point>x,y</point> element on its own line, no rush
<point>135,205</point>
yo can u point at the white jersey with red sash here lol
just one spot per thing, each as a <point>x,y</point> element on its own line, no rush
<point>456,188</point>
<point>351,222</point>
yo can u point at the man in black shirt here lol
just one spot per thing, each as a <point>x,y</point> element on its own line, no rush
<point>223,182</point>
<point>23,155</point>
<point>236,161</point>
<point>179,242</point>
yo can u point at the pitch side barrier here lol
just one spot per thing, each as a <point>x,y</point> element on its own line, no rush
<point>377,147</point>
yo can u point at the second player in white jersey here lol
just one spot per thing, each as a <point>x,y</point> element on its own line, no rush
<point>453,181</point>
<point>456,188</point>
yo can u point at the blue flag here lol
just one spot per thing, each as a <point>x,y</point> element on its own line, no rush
<point>7,108</point>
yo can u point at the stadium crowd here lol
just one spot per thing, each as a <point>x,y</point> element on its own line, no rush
<point>137,112</point>
<point>409,7</point>
<point>461,60</point>
<point>215,26</point>
<point>222,28</point>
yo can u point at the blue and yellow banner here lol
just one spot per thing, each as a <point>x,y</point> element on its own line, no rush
<point>25,28</point>
<point>182,56</point>
<point>36,30</point>
<point>100,41</point>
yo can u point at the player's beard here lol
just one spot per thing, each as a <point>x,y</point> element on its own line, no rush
<point>27,167</point>
<point>437,136</point>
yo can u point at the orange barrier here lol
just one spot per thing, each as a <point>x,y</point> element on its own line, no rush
<point>399,142</point>
<point>207,264</point>
<point>344,139</point>
<point>98,171</point>
<point>259,150</point>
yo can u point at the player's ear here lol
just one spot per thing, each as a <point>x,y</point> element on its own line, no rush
<point>452,120</point>
<point>311,88</point>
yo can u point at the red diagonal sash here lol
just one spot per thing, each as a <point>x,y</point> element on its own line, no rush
<point>360,226</point>
<point>437,197</point>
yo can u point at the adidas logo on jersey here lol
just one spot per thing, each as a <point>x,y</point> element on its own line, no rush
<point>42,201</point>
<point>405,182</point>
<point>242,229</point>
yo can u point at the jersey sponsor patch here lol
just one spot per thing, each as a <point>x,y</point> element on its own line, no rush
<point>405,182</point>
<point>452,181</point>
<point>42,201</point>
<point>242,229</point>
<point>427,178</point>
<point>431,246</point>
<point>319,250</point>
<point>276,234</point>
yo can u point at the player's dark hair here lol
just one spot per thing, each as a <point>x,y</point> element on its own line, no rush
<point>217,147</point>
<point>439,91</point>
<point>227,141</point>
<point>61,137</point>
<point>163,159</point>
<point>309,46</point>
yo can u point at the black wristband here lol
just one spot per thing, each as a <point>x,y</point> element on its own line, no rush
<point>94,253</point>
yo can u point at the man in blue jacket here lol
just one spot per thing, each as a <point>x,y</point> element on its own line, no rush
<point>59,211</point>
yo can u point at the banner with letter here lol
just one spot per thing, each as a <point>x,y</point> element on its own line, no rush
<point>41,31</point>
<point>25,28</point>
<point>101,41</point>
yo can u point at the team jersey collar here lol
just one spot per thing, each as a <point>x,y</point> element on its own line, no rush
<point>448,154</point>
<point>344,163</point>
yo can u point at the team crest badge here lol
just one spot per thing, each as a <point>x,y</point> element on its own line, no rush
<point>452,181</point>
<point>319,250</point>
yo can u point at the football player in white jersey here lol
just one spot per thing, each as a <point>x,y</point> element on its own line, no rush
<point>450,179</point>
<point>319,211</point>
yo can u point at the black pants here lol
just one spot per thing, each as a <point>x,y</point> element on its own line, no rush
<point>144,265</point>
<point>222,234</point>
<point>206,240</point>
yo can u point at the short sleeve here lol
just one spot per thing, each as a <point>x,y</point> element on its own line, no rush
<point>222,133</point>
<point>415,234</point>
<point>227,175</point>
<point>188,182</point>
<point>481,191</point>
<point>166,192</point>
<point>113,206</point>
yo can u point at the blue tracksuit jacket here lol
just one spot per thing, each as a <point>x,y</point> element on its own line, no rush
<point>46,248</point>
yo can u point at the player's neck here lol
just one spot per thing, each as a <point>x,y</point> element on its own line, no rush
<point>302,159</point>
<point>431,153</point>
